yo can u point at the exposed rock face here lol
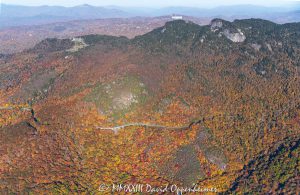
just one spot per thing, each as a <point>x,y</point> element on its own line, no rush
<point>216,24</point>
<point>213,153</point>
<point>226,29</point>
<point>124,101</point>
<point>269,47</point>
<point>78,44</point>
<point>116,98</point>
<point>256,46</point>
<point>235,37</point>
<point>216,156</point>
<point>185,167</point>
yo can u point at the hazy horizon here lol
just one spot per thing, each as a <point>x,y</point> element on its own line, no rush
<point>153,3</point>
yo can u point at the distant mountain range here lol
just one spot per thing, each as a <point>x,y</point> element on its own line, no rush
<point>81,11</point>
<point>15,15</point>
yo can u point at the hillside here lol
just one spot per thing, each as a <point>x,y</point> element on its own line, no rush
<point>17,39</point>
<point>280,166</point>
<point>187,104</point>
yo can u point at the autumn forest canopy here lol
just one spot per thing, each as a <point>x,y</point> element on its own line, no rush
<point>216,105</point>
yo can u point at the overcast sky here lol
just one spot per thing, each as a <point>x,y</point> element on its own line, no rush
<point>150,3</point>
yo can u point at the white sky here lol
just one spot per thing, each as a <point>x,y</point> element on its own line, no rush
<point>150,3</point>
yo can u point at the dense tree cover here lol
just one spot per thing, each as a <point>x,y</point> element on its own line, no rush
<point>279,166</point>
<point>238,98</point>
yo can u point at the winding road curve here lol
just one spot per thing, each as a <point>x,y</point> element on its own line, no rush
<point>117,128</point>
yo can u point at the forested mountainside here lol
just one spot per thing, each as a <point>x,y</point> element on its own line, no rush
<point>215,105</point>
<point>17,39</point>
<point>279,167</point>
